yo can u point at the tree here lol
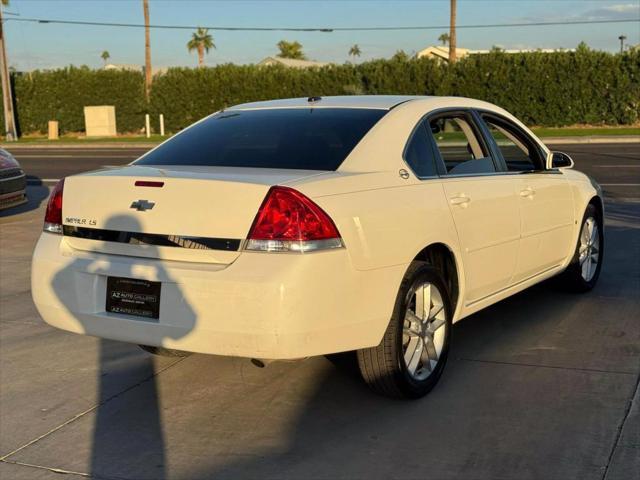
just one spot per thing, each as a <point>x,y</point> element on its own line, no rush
<point>202,42</point>
<point>355,51</point>
<point>147,50</point>
<point>105,56</point>
<point>291,50</point>
<point>400,56</point>
<point>444,38</point>
<point>452,33</point>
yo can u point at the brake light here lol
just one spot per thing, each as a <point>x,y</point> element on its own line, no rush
<point>147,183</point>
<point>288,221</point>
<point>53,217</point>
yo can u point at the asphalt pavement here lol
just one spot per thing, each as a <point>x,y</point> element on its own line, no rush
<point>543,385</point>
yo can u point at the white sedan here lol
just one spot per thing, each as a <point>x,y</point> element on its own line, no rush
<point>301,227</point>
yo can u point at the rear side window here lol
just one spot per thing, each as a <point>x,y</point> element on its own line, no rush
<point>290,138</point>
<point>418,153</point>
<point>519,152</point>
<point>461,149</point>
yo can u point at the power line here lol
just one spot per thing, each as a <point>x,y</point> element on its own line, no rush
<point>317,29</point>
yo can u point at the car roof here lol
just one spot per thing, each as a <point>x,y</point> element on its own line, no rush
<point>381,102</point>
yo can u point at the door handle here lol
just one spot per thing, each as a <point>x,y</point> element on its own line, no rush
<point>527,192</point>
<point>461,200</point>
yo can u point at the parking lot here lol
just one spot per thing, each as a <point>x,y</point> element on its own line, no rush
<point>543,385</point>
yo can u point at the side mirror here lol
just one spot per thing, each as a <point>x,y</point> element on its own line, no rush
<point>561,160</point>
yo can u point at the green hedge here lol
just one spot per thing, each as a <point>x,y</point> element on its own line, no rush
<point>61,95</point>
<point>547,89</point>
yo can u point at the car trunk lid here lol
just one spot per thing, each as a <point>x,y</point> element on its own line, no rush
<point>198,214</point>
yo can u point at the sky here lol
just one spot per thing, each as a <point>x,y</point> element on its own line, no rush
<point>33,46</point>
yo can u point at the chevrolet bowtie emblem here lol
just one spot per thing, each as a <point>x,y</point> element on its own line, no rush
<point>142,205</point>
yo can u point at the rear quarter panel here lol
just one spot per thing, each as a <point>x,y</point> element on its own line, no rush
<point>384,227</point>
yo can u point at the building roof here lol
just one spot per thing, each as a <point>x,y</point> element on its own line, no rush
<point>122,66</point>
<point>292,62</point>
<point>525,50</point>
<point>133,68</point>
<point>442,51</point>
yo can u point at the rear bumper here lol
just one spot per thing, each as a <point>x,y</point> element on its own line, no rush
<point>13,199</point>
<point>13,191</point>
<point>276,306</point>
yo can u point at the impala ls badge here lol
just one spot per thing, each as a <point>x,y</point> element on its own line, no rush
<point>142,205</point>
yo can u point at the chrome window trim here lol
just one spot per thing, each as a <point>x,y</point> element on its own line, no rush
<point>497,174</point>
<point>471,111</point>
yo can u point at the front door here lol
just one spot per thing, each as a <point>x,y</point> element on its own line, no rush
<point>544,198</point>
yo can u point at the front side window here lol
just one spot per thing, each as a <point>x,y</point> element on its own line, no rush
<point>460,147</point>
<point>518,151</point>
<point>290,138</point>
<point>418,153</point>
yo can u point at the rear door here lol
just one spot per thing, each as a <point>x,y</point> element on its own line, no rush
<point>482,201</point>
<point>544,198</point>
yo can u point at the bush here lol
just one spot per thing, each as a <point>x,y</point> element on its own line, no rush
<point>62,94</point>
<point>546,89</point>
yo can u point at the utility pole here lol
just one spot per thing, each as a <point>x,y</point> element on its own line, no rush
<point>147,50</point>
<point>11,133</point>
<point>452,33</point>
<point>622,38</point>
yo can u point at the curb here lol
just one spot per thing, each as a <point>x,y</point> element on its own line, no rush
<point>591,139</point>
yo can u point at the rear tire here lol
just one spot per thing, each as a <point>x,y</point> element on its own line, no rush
<point>582,273</point>
<point>410,359</point>
<point>164,352</point>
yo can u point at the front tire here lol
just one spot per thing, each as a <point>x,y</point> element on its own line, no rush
<point>411,357</point>
<point>582,273</point>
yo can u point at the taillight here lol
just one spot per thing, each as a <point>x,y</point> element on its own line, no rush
<point>288,221</point>
<point>53,217</point>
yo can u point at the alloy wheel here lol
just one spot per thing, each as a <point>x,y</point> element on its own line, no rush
<point>424,329</point>
<point>589,250</point>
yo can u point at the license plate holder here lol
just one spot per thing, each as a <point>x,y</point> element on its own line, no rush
<point>131,296</point>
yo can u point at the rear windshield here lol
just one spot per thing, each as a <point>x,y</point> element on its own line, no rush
<point>307,139</point>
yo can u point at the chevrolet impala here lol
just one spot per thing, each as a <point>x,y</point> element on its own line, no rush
<point>292,228</point>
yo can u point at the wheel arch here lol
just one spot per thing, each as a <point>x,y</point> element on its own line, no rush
<point>597,202</point>
<point>442,257</point>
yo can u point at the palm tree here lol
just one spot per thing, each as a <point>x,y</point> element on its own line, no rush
<point>105,56</point>
<point>444,38</point>
<point>355,51</point>
<point>147,50</point>
<point>202,41</point>
<point>291,50</point>
<point>452,33</point>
